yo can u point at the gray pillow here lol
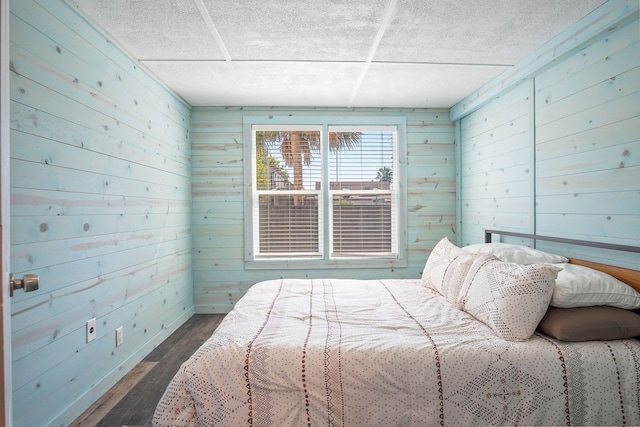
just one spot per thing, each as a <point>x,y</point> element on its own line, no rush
<point>590,323</point>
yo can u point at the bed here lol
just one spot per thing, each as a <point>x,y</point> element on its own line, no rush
<point>481,339</point>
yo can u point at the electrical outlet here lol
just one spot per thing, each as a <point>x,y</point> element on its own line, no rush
<point>91,329</point>
<point>119,337</point>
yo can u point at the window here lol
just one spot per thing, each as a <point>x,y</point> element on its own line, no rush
<point>328,194</point>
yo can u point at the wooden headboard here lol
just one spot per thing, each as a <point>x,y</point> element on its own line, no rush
<point>626,275</point>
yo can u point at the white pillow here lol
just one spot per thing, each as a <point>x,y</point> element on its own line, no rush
<point>520,254</point>
<point>446,269</point>
<point>510,298</point>
<point>579,286</point>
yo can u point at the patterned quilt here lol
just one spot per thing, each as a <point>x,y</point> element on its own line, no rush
<point>391,352</point>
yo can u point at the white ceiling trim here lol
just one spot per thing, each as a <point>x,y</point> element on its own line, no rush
<point>388,15</point>
<point>212,29</point>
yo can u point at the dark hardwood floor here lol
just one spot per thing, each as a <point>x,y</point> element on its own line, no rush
<point>132,401</point>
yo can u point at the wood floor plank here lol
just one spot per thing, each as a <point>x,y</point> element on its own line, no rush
<point>101,408</point>
<point>132,403</point>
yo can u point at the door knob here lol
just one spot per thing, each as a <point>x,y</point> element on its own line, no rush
<point>29,283</point>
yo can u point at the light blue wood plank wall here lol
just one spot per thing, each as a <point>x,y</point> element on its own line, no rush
<point>495,166</point>
<point>558,153</point>
<point>100,209</point>
<point>220,278</point>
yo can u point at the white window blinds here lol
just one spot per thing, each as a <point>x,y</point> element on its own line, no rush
<point>362,193</point>
<point>286,200</point>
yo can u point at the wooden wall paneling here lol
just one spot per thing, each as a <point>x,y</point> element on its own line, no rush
<point>498,131</point>
<point>218,197</point>
<point>610,157</point>
<point>506,220</point>
<point>100,298</point>
<point>44,152</point>
<point>37,96</point>
<point>498,185</point>
<point>226,252</point>
<point>79,277</point>
<point>209,233</point>
<point>55,252</point>
<point>431,185</point>
<point>27,201</point>
<point>88,289</point>
<point>493,160</point>
<point>68,87</point>
<point>596,63</point>
<point>587,111</point>
<point>609,90</point>
<point>519,204</point>
<point>44,226</point>
<point>595,225</point>
<point>101,203</point>
<point>90,136</point>
<point>42,357</point>
<point>33,229</point>
<point>583,119</point>
<point>421,183</point>
<point>73,384</point>
<point>430,137</point>
<point>80,141</point>
<point>31,175</point>
<point>614,203</point>
<point>616,133</point>
<point>417,199</point>
<point>133,279</point>
<point>88,84</point>
<point>495,168</point>
<point>507,110</point>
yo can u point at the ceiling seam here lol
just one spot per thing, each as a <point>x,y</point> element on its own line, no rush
<point>374,48</point>
<point>212,28</point>
<point>322,61</point>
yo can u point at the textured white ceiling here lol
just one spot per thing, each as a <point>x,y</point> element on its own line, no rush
<point>331,53</point>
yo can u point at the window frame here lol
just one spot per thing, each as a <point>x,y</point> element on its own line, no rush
<point>324,259</point>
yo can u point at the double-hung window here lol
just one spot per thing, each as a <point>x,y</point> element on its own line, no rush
<point>324,192</point>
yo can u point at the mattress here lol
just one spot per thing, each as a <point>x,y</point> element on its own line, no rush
<point>298,352</point>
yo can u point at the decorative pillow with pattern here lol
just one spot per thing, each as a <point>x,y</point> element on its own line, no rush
<point>510,298</point>
<point>446,269</point>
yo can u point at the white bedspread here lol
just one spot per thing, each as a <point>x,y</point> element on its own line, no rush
<point>390,352</point>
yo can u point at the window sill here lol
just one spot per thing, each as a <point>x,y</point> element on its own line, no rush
<point>310,264</point>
